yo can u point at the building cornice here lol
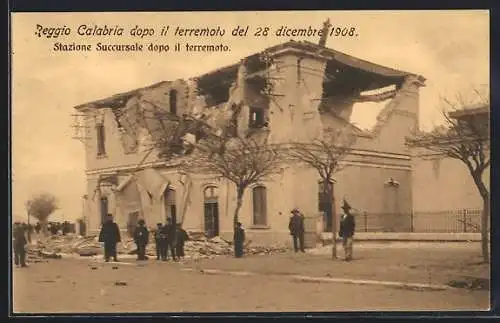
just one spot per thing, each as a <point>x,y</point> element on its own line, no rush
<point>175,163</point>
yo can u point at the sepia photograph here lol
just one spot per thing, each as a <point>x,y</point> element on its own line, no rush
<point>250,161</point>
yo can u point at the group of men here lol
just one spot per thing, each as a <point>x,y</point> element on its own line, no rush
<point>346,230</point>
<point>167,237</point>
<point>55,227</point>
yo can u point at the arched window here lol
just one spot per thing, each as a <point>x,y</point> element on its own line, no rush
<point>173,101</point>
<point>211,211</point>
<point>211,194</point>
<point>325,201</point>
<point>170,204</point>
<point>259,205</point>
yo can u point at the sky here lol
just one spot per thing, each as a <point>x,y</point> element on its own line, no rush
<point>449,48</point>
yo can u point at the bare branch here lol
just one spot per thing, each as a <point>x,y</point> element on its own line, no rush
<point>324,153</point>
<point>464,137</point>
<point>42,206</point>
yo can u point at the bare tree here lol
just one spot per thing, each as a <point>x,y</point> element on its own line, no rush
<point>324,155</point>
<point>243,161</point>
<point>465,137</point>
<point>41,207</point>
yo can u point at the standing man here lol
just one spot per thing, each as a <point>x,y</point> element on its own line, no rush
<point>110,235</point>
<point>141,239</point>
<point>182,237</point>
<point>346,231</point>
<point>238,239</point>
<point>20,242</point>
<point>169,230</point>
<point>158,241</point>
<point>27,232</point>
<point>296,227</point>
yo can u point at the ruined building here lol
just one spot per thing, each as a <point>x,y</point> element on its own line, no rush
<point>291,92</point>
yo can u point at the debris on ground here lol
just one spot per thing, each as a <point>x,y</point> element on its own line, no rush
<point>198,247</point>
<point>121,283</point>
<point>471,283</point>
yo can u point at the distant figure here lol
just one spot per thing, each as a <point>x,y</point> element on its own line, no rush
<point>65,228</point>
<point>141,239</point>
<point>181,238</point>
<point>54,228</point>
<point>346,231</point>
<point>20,242</point>
<point>239,240</point>
<point>296,227</point>
<point>110,235</point>
<point>159,242</point>
<point>38,227</point>
<point>169,231</point>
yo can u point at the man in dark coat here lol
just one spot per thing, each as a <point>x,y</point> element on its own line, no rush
<point>169,231</point>
<point>239,240</point>
<point>110,235</point>
<point>346,231</point>
<point>182,237</point>
<point>159,243</point>
<point>20,242</point>
<point>27,232</point>
<point>296,227</point>
<point>141,239</point>
<point>38,227</point>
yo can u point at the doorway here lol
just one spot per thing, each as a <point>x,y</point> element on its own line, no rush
<point>104,206</point>
<point>211,212</point>
<point>326,205</point>
<point>170,206</point>
<point>132,220</point>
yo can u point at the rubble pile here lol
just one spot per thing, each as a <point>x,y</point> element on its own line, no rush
<point>198,247</point>
<point>202,247</point>
<point>54,246</point>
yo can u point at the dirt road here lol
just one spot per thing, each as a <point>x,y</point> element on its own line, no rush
<point>77,285</point>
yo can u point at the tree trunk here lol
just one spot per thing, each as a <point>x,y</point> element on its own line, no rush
<point>485,195</point>
<point>43,228</point>
<point>328,187</point>
<point>334,228</point>
<point>239,203</point>
<point>485,229</point>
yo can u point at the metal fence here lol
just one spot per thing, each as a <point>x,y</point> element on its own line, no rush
<point>451,221</point>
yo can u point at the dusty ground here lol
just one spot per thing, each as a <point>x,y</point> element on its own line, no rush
<point>80,285</point>
<point>431,263</point>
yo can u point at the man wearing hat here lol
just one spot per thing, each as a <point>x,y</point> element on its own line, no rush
<point>141,239</point>
<point>296,227</point>
<point>346,231</point>
<point>110,235</point>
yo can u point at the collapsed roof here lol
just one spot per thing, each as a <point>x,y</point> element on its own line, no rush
<point>345,76</point>
<point>350,73</point>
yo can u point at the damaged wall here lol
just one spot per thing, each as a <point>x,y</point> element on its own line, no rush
<point>396,121</point>
<point>293,113</point>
